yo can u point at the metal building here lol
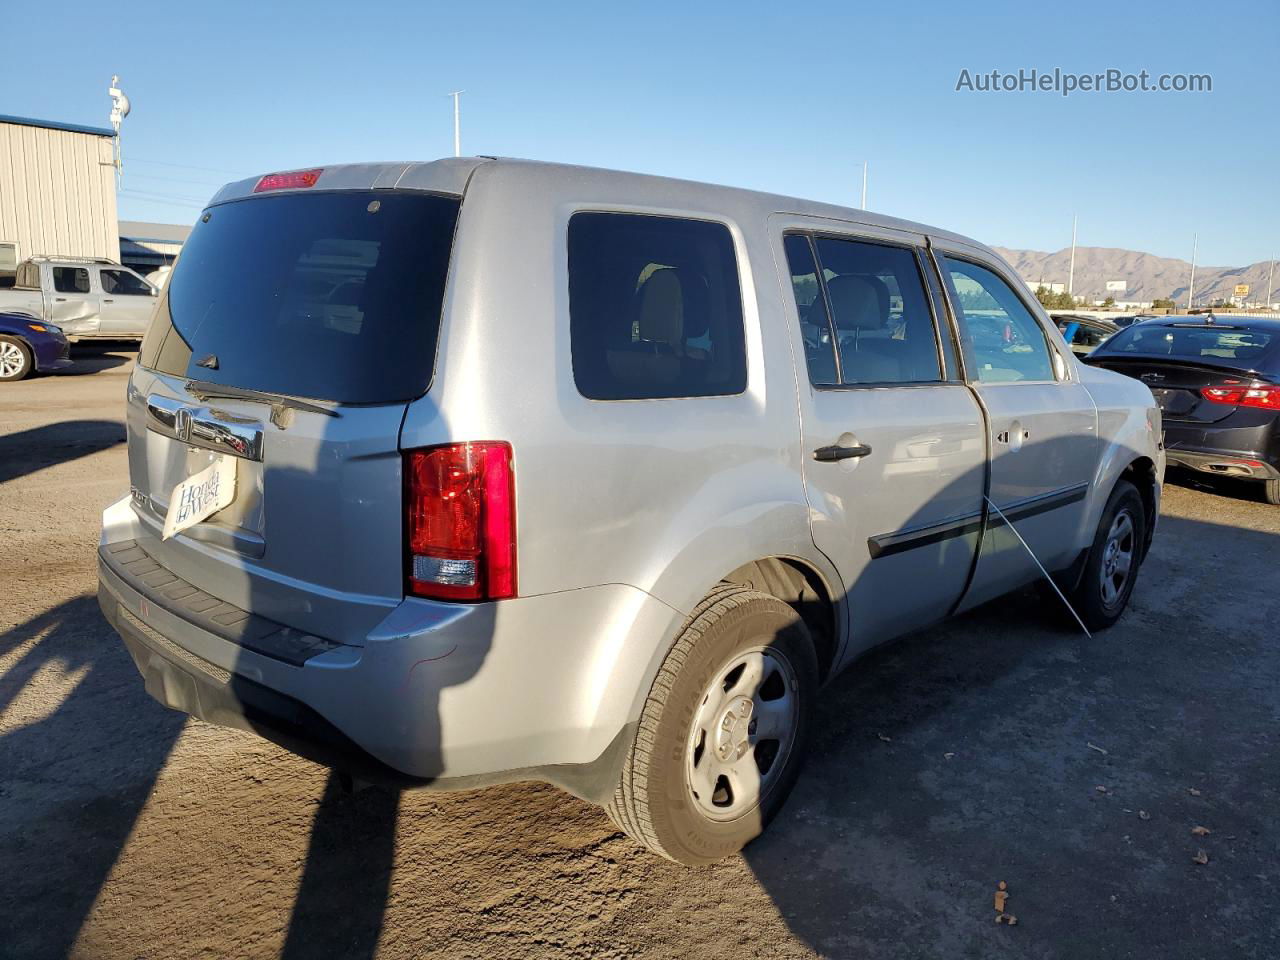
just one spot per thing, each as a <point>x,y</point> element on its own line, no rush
<point>147,246</point>
<point>57,192</point>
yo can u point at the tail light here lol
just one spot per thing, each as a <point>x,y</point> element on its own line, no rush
<point>289,181</point>
<point>1263,397</point>
<point>460,515</point>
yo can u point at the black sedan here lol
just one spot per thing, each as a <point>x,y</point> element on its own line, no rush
<point>28,344</point>
<point>1218,385</point>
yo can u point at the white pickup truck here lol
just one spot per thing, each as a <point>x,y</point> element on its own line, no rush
<point>88,299</point>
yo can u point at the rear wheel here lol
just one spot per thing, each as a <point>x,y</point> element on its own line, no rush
<point>722,734</point>
<point>1271,491</point>
<point>15,359</point>
<point>1114,559</point>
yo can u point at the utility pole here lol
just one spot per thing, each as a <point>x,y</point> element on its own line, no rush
<point>457,125</point>
<point>1191,287</point>
<point>1270,274</point>
<point>864,184</point>
<point>1071,273</point>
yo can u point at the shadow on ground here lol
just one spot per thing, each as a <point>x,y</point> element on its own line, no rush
<point>27,451</point>
<point>1005,746</point>
<point>45,749</point>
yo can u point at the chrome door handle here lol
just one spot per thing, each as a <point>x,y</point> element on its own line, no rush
<point>835,452</point>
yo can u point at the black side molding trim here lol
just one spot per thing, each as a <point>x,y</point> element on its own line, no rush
<point>887,544</point>
<point>1043,503</point>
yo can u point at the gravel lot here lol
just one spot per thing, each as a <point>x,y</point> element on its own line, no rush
<point>1001,746</point>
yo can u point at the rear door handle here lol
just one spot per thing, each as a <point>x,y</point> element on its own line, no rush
<point>105,300</point>
<point>835,452</point>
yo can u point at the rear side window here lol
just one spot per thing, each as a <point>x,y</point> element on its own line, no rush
<point>335,296</point>
<point>655,308</point>
<point>70,280</point>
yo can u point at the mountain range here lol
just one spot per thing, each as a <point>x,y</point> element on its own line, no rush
<point>1147,276</point>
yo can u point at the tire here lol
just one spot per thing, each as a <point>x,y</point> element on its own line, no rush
<point>695,723</point>
<point>1271,492</point>
<point>15,359</point>
<point>1124,521</point>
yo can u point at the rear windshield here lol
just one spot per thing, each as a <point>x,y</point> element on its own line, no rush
<point>334,296</point>
<point>1223,345</point>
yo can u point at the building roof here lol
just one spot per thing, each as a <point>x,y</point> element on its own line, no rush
<point>54,125</point>
<point>141,231</point>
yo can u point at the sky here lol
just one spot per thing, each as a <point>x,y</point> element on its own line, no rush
<point>789,98</point>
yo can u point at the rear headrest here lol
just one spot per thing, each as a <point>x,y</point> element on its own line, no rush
<point>857,304</point>
<point>662,308</point>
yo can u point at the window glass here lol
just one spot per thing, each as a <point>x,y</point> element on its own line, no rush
<point>883,325</point>
<point>124,283</point>
<point>8,263</point>
<point>815,327</point>
<point>1229,346</point>
<point>655,308</point>
<point>335,296</point>
<point>1001,339</point>
<point>70,279</point>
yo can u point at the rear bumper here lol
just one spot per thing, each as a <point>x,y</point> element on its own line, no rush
<point>1226,463</point>
<point>448,695</point>
<point>1223,448</point>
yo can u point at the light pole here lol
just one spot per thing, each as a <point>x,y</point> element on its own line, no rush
<point>1191,287</point>
<point>864,184</point>
<point>1071,272</point>
<point>1270,274</point>
<point>457,125</point>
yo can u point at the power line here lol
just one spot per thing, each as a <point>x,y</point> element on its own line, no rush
<point>189,166</point>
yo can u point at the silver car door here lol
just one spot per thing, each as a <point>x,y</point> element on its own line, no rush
<point>73,301</point>
<point>127,302</point>
<point>893,442</point>
<point>1042,422</point>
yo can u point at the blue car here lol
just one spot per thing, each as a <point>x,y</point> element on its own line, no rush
<point>28,344</point>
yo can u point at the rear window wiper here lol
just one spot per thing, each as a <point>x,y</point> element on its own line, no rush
<point>205,390</point>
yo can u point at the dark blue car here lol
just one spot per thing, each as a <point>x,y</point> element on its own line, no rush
<point>28,344</point>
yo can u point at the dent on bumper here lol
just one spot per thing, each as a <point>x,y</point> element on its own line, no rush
<point>508,690</point>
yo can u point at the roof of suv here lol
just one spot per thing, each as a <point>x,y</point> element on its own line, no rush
<point>452,174</point>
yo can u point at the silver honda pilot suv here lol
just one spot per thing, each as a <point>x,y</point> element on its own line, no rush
<point>475,471</point>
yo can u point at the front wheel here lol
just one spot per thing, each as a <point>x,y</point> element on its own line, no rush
<point>722,734</point>
<point>15,359</point>
<point>1114,559</point>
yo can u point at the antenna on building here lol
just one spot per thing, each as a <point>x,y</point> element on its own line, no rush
<point>120,108</point>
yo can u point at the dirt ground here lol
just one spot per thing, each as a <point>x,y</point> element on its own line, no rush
<point>1001,746</point>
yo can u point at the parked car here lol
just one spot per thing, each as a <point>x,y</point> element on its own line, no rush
<point>1083,333</point>
<point>28,345</point>
<point>88,299</point>
<point>529,471</point>
<point>1218,383</point>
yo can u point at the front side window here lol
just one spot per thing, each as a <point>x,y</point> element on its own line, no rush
<point>70,279</point>
<point>655,308</point>
<point>123,283</point>
<point>1002,341</point>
